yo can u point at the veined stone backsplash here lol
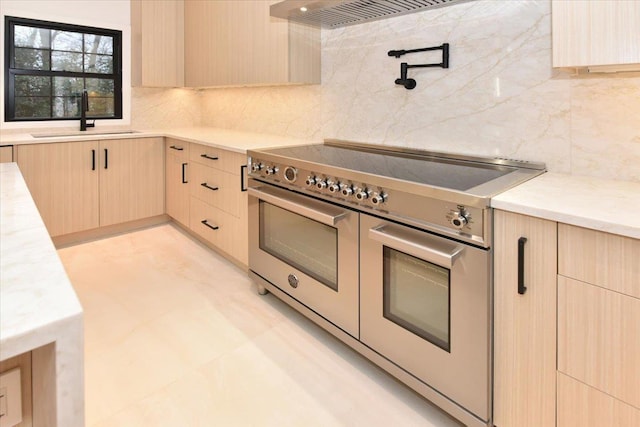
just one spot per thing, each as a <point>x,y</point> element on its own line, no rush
<point>500,96</point>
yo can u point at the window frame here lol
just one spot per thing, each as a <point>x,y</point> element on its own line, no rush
<point>10,72</point>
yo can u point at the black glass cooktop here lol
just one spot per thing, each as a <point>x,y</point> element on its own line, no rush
<point>438,171</point>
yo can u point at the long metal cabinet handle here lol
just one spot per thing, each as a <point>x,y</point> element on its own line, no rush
<point>176,148</point>
<point>208,187</point>
<point>106,158</point>
<point>93,160</point>
<point>425,247</point>
<point>184,175</point>
<point>521,287</point>
<point>243,168</point>
<point>213,227</point>
<point>206,156</point>
<point>313,209</point>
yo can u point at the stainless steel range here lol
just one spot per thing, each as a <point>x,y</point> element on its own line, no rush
<point>388,249</point>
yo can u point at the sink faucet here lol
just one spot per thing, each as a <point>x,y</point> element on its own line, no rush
<point>84,107</point>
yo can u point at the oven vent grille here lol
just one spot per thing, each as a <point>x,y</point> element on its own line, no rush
<point>340,13</point>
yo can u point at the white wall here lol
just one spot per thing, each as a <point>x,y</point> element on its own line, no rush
<point>97,13</point>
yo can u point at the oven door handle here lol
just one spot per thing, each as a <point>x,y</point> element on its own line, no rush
<point>310,208</point>
<point>427,247</point>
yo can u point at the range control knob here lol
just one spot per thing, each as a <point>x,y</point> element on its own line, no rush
<point>311,180</point>
<point>321,184</point>
<point>378,198</point>
<point>362,194</point>
<point>256,167</point>
<point>347,190</point>
<point>335,187</point>
<point>271,170</point>
<point>459,219</point>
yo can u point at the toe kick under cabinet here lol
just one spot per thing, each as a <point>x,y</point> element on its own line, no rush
<point>567,349</point>
<point>218,199</point>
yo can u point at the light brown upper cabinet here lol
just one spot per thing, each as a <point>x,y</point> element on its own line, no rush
<point>157,43</point>
<point>596,33</point>
<point>236,43</point>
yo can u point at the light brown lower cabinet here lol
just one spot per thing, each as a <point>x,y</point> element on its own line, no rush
<point>131,180</point>
<point>205,191</point>
<point>63,179</point>
<point>582,406</point>
<point>83,185</point>
<point>6,154</point>
<point>524,324</point>
<point>177,175</point>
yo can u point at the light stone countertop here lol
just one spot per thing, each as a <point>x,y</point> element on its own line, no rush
<point>38,305</point>
<point>599,204</point>
<point>232,140</point>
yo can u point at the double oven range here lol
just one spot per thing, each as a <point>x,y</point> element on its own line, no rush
<point>388,249</point>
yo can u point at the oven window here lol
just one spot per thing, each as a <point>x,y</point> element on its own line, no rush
<point>308,245</point>
<point>416,296</point>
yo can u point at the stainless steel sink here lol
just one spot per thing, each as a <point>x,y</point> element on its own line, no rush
<point>80,133</point>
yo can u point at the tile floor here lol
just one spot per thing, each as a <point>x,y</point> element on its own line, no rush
<point>177,336</point>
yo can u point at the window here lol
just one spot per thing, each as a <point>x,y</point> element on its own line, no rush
<point>48,65</point>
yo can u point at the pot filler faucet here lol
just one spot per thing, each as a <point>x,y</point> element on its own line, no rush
<point>84,107</point>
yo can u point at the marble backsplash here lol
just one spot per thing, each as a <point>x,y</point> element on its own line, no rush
<point>500,96</point>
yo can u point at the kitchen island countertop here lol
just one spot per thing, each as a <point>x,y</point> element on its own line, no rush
<point>38,305</point>
<point>590,202</point>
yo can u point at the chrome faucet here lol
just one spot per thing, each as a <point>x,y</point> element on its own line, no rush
<point>84,107</point>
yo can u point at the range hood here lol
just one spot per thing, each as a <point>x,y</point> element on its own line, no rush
<point>340,13</point>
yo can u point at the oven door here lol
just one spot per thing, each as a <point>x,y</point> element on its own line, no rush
<point>425,305</point>
<point>308,249</point>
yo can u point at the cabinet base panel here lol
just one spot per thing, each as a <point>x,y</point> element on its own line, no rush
<point>108,231</point>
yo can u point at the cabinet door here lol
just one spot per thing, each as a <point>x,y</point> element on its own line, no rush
<point>177,180</point>
<point>131,179</point>
<point>238,43</point>
<point>63,181</point>
<point>6,154</point>
<point>524,325</point>
<point>587,32</point>
<point>157,47</point>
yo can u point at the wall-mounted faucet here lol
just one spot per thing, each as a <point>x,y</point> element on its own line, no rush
<point>84,107</point>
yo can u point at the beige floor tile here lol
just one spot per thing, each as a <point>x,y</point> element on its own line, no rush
<point>178,336</point>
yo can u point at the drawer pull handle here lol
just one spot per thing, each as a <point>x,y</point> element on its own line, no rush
<point>93,160</point>
<point>213,227</point>
<point>207,186</point>
<point>206,156</point>
<point>521,287</point>
<point>176,148</point>
<point>106,158</point>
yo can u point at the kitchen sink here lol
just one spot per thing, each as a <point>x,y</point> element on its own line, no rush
<point>81,133</point>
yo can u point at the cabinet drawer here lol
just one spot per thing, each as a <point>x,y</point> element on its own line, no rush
<point>227,161</point>
<point>603,259</point>
<point>599,338</point>
<point>584,406</point>
<point>219,228</point>
<point>215,187</point>
<point>177,148</point>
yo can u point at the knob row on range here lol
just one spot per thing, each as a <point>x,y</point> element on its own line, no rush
<point>290,174</point>
<point>346,190</point>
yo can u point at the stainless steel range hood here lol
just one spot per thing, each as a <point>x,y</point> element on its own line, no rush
<point>340,13</point>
